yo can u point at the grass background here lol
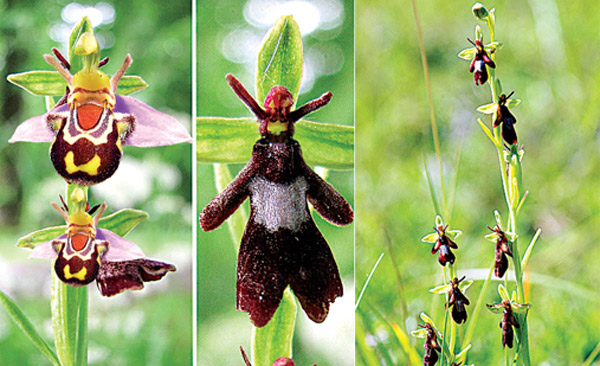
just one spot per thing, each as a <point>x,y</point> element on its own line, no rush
<point>549,59</point>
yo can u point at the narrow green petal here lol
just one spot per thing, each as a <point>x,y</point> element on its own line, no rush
<point>488,108</point>
<point>441,290</point>
<point>430,238</point>
<point>468,53</point>
<point>503,293</point>
<point>123,221</point>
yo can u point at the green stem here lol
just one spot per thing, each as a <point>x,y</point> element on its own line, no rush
<point>434,129</point>
<point>69,313</point>
<point>523,339</point>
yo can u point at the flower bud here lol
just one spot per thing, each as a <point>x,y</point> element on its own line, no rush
<point>480,11</point>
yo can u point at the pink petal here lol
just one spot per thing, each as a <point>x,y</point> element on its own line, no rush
<point>33,130</point>
<point>45,249</point>
<point>152,128</point>
<point>119,249</point>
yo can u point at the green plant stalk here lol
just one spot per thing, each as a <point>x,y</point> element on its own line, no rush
<point>523,339</point>
<point>69,313</point>
<point>476,312</point>
<point>434,129</point>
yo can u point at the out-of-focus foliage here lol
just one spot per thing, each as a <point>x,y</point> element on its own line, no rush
<point>137,327</point>
<point>221,329</point>
<point>548,59</point>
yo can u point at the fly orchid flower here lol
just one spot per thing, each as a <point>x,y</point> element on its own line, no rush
<point>456,298</point>
<point>86,253</point>
<point>89,125</point>
<point>478,55</point>
<point>502,240</point>
<point>508,307</point>
<point>442,240</point>
<point>281,244</point>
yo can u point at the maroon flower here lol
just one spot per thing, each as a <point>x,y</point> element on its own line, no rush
<point>281,244</point>
<point>442,240</point>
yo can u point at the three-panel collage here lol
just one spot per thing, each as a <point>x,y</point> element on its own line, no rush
<point>299,182</point>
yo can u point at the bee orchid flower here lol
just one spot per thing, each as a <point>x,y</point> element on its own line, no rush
<point>86,253</point>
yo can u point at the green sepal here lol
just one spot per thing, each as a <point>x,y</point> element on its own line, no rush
<point>491,237</point>
<point>478,32</point>
<point>21,320</point>
<point>430,238</point>
<point>426,318</point>
<point>468,53</point>
<point>274,340</point>
<point>503,293</point>
<point>520,308</point>
<point>39,82</point>
<point>464,285</point>
<point>490,108</point>
<point>498,219</point>
<point>230,140</point>
<point>82,27</point>
<point>453,234</point>
<point>511,103</point>
<point>51,83</point>
<point>493,46</point>
<point>280,59</point>
<point>439,221</point>
<point>419,333</point>
<point>32,239</point>
<point>122,221</point>
<point>441,290</point>
<point>495,308</point>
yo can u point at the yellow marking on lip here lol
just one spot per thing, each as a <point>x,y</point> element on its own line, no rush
<point>91,167</point>
<point>79,275</point>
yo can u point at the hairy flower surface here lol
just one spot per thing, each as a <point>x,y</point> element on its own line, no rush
<point>281,244</point>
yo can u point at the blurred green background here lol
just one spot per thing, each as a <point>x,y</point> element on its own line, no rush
<point>549,59</point>
<point>229,36</point>
<point>133,328</point>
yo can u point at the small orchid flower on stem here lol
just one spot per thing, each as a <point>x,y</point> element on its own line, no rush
<point>86,253</point>
<point>507,307</point>
<point>89,125</point>
<point>442,240</point>
<point>503,240</point>
<point>478,55</point>
<point>456,298</point>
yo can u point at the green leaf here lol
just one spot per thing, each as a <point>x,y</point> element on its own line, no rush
<point>367,281</point>
<point>467,54</point>
<point>122,221</point>
<point>230,140</point>
<point>31,240</point>
<point>82,27</point>
<point>463,352</point>
<point>488,108</point>
<point>280,59</point>
<point>21,320</point>
<point>430,238</point>
<point>487,132</point>
<point>530,248</point>
<point>40,82</point>
<point>274,340</point>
